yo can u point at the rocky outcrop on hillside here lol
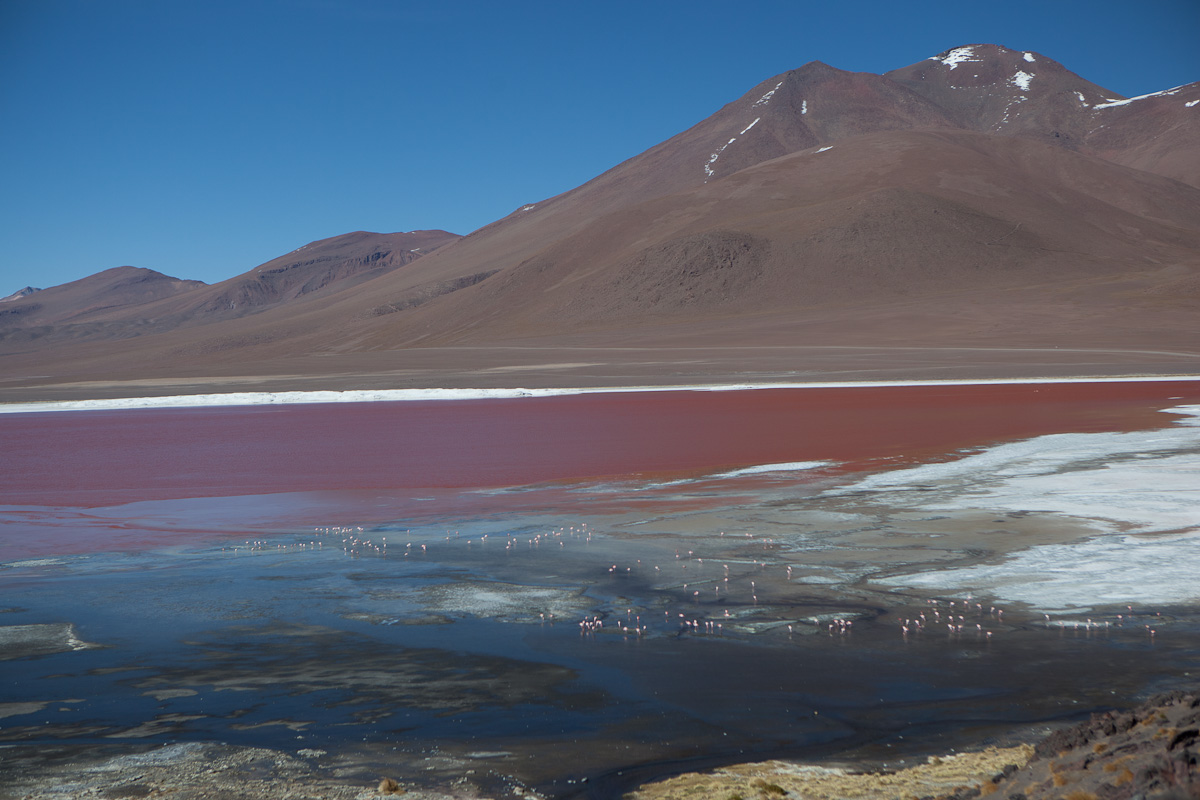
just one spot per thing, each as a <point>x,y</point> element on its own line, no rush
<point>1149,753</point>
<point>1152,752</point>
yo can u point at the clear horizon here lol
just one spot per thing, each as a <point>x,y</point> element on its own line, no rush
<point>201,140</point>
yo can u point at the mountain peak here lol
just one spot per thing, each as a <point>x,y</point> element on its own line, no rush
<point>814,68</point>
<point>979,53</point>
<point>984,65</point>
<point>19,293</point>
<point>995,89</point>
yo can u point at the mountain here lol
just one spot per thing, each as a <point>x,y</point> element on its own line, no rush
<point>317,268</point>
<point>19,293</point>
<point>930,236</point>
<point>113,291</point>
<point>127,302</point>
<point>983,201</point>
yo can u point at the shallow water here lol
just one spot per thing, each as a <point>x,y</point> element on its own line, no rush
<point>431,631</point>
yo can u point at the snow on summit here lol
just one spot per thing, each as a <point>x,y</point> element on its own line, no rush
<point>957,56</point>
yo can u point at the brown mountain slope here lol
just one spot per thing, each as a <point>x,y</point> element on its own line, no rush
<point>812,105</point>
<point>1158,133</point>
<point>324,266</point>
<point>890,217</point>
<point>918,237</point>
<point>117,305</point>
<point>112,291</point>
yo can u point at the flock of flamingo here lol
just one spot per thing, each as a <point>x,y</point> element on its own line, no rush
<point>953,616</point>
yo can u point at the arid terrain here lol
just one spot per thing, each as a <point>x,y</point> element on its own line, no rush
<point>984,212</point>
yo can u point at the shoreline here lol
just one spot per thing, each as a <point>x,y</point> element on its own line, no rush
<point>1149,749</point>
<point>312,397</point>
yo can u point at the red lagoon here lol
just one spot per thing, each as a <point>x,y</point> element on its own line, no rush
<point>106,458</point>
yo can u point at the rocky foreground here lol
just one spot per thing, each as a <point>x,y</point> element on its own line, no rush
<point>1149,753</point>
<point>201,771</point>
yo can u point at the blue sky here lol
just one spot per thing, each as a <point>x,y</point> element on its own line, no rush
<point>203,138</point>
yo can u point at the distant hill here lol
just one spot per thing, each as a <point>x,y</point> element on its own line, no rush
<point>113,291</point>
<point>982,198</point>
<point>317,268</point>
<point>126,301</point>
<point>19,293</point>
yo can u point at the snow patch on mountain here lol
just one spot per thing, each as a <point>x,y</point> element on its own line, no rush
<point>957,56</point>
<point>1028,57</point>
<point>766,98</point>
<point>1021,80</point>
<point>712,159</point>
<point>1127,101</point>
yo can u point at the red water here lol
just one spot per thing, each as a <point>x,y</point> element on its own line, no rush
<point>104,458</point>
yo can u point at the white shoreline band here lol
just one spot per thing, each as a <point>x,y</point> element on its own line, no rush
<point>403,395</point>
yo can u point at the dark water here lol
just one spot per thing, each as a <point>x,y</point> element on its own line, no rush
<point>317,647</point>
<point>401,623</point>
